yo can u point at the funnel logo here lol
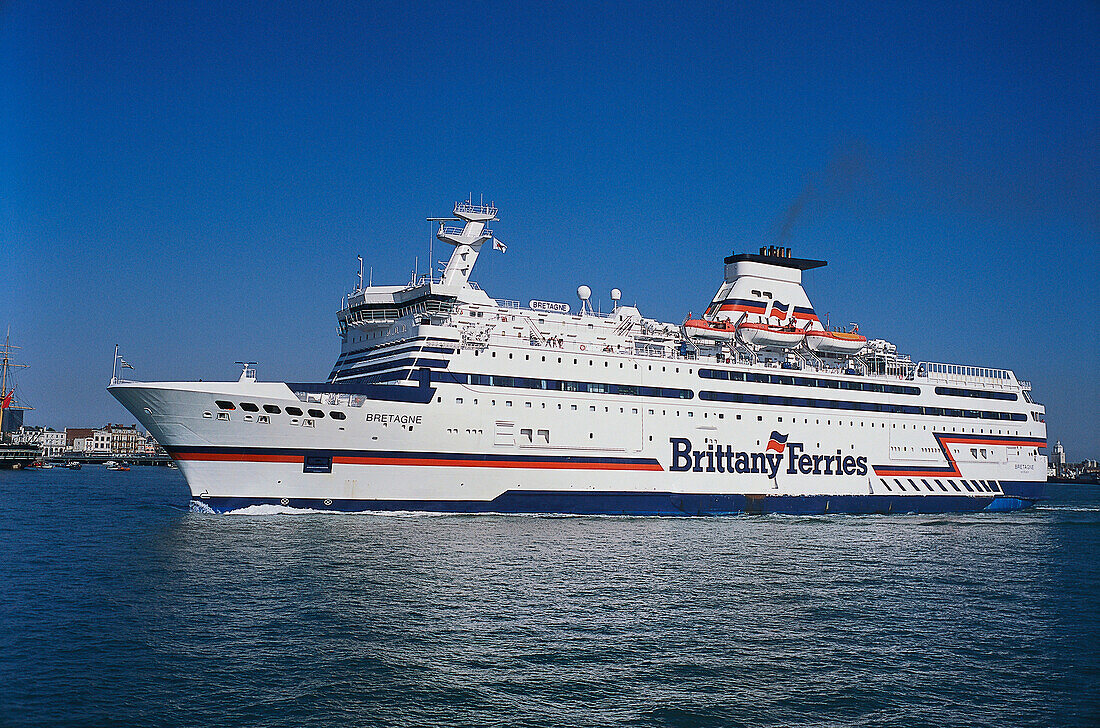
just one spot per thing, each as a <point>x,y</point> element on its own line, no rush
<point>725,459</point>
<point>777,442</point>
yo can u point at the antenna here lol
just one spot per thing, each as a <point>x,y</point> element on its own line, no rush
<point>360,271</point>
<point>585,293</point>
<point>248,371</point>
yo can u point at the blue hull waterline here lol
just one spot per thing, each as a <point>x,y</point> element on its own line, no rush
<point>1017,496</point>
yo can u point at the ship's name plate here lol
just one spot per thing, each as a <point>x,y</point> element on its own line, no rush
<point>548,306</point>
<point>385,418</point>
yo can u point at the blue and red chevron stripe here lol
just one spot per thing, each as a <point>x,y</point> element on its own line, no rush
<point>804,314</point>
<point>744,304</point>
<point>951,470</point>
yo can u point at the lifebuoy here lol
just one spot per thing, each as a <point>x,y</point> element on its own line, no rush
<point>582,347</point>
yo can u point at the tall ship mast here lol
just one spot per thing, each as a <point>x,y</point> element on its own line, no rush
<point>11,411</point>
<point>446,399</point>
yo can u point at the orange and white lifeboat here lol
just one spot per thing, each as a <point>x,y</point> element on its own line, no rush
<point>835,342</point>
<point>775,337</point>
<point>719,330</point>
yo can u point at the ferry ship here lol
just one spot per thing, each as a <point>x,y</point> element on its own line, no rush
<point>446,399</point>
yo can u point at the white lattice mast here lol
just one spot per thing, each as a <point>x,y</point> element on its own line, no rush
<point>467,240</point>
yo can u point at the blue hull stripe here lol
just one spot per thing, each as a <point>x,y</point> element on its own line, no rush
<point>651,504</point>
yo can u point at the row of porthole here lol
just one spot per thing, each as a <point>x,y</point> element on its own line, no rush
<point>260,419</point>
<point>591,362</point>
<point>759,418</point>
<point>275,409</point>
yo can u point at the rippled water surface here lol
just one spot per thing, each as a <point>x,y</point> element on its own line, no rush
<point>120,607</point>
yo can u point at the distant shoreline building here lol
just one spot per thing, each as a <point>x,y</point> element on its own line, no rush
<point>112,439</point>
<point>1057,460</point>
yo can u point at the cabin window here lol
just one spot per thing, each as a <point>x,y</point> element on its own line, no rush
<point>337,415</point>
<point>316,413</point>
<point>249,407</point>
<point>272,409</point>
<point>223,404</point>
<point>297,412</point>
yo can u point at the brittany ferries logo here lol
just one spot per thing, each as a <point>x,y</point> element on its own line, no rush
<point>777,453</point>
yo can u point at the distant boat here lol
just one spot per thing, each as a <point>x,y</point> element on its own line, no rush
<point>74,465</point>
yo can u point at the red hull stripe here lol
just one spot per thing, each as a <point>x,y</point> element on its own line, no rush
<point>497,464</point>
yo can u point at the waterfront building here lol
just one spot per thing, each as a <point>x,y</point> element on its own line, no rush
<point>1057,460</point>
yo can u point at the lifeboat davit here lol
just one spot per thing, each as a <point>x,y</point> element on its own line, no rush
<point>835,342</point>
<point>775,337</point>
<point>720,330</point>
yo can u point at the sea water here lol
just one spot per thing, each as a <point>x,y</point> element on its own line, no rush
<point>121,606</point>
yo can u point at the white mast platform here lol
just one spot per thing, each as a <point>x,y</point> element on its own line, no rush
<point>467,240</point>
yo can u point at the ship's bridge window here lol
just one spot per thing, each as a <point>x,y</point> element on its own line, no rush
<point>225,405</point>
<point>272,409</point>
<point>249,407</point>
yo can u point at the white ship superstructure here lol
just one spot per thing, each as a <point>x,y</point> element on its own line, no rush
<point>446,399</point>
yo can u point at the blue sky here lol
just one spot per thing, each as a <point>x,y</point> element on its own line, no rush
<point>194,180</point>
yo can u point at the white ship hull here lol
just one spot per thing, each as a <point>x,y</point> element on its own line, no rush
<point>446,399</point>
<point>443,455</point>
